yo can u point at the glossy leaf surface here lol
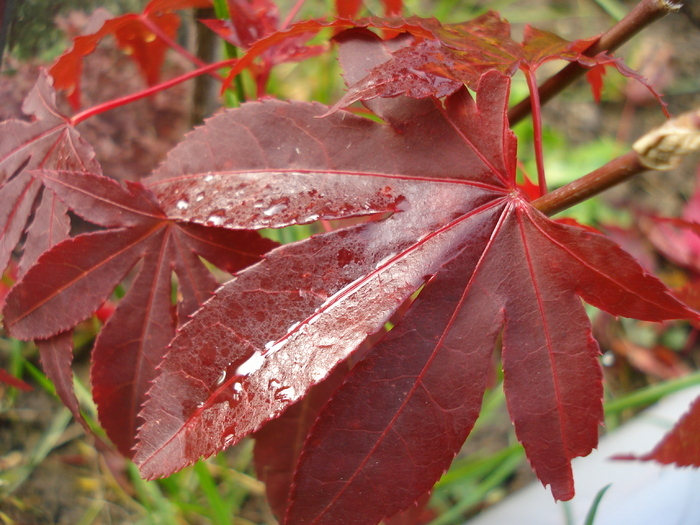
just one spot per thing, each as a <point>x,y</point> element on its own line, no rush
<point>444,246</point>
<point>491,263</point>
<point>48,141</point>
<point>460,53</point>
<point>73,279</point>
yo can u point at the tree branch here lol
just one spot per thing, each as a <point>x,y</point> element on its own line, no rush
<point>613,173</point>
<point>663,148</point>
<point>643,14</point>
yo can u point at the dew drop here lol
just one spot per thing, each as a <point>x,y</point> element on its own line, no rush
<point>237,387</point>
<point>216,220</point>
<point>297,150</point>
<point>250,365</point>
<point>228,440</point>
<point>608,359</point>
<point>221,378</point>
<point>182,204</point>
<point>199,197</point>
<point>275,209</point>
<point>209,177</point>
<point>273,384</point>
<point>286,393</point>
<point>317,375</point>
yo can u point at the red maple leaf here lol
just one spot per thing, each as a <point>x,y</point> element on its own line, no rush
<point>484,259</point>
<point>136,34</point>
<point>74,278</point>
<point>681,445</point>
<point>459,54</point>
<point>13,381</point>
<point>252,21</point>
<point>48,141</point>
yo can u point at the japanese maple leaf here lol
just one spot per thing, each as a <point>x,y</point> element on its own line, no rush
<point>279,443</point>
<point>681,446</point>
<point>301,31</point>
<point>251,21</point>
<point>678,239</point>
<point>48,141</point>
<point>460,53</point>
<point>485,260</point>
<point>138,35</point>
<point>350,8</point>
<point>72,279</point>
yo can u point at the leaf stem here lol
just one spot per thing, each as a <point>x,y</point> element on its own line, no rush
<point>111,104</point>
<point>614,172</point>
<point>537,128</point>
<point>643,14</point>
<point>292,13</point>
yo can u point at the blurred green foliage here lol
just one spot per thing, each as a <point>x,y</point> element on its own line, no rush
<point>33,32</point>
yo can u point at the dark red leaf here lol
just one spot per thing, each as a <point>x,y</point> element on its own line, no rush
<point>456,54</point>
<point>364,164</point>
<point>49,141</point>
<point>447,172</point>
<point>75,277</point>
<point>56,357</point>
<point>681,445</point>
<point>72,280</point>
<point>13,381</point>
<point>104,201</point>
<point>460,53</point>
<point>123,367</point>
<point>278,444</point>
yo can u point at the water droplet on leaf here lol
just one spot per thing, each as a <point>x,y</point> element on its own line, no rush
<point>276,207</point>
<point>216,220</point>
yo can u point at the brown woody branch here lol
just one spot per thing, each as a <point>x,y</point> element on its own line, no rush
<point>643,14</point>
<point>661,149</point>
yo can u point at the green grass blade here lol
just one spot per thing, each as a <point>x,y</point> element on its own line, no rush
<point>590,517</point>
<point>220,511</point>
<point>648,395</point>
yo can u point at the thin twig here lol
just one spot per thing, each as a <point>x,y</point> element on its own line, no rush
<point>106,106</point>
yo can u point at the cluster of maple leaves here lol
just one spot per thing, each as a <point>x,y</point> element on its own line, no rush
<point>270,352</point>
